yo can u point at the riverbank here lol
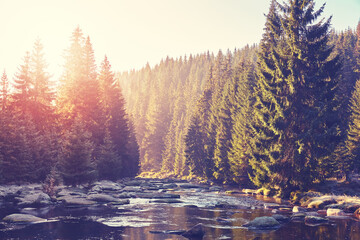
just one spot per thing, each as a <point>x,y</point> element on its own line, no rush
<point>139,208</point>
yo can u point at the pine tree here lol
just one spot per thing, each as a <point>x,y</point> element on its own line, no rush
<point>132,166</point>
<point>349,159</point>
<point>4,91</point>
<point>268,109</point>
<point>22,86</point>
<point>116,118</point>
<point>199,146</point>
<point>42,93</point>
<point>357,50</point>
<point>69,100</point>
<point>76,164</point>
<point>239,153</point>
<point>90,108</point>
<point>109,163</point>
<point>295,112</point>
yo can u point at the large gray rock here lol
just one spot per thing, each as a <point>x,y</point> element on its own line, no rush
<point>189,185</point>
<point>320,203</point>
<point>334,212</point>
<point>106,186</point>
<point>157,195</point>
<point>76,201</point>
<point>34,199</point>
<point>22,218</point>
<point>297,209</point>
<point>281,218</point>
<point>314,220</point>
<point>215,189</point>
<point>196,232</point>
<point>78,192</point>
<point>263,223</point>
<point>128,189</point>
<point>134,183</point>
<point>169,186</point>
<point>298,217</point>
<point>101,197</point>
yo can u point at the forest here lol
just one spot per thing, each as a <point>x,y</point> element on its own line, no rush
<point>74,131</point>
<point>282,114</point>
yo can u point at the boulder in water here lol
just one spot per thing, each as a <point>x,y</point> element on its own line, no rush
<point>262,223</point>
<point>314,220</point>
<point>22,218</point>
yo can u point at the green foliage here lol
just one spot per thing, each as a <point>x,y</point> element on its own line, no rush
<point>76,164</point>
<point>296,123</point>
<point>109,162</point>
<point>215,137</point>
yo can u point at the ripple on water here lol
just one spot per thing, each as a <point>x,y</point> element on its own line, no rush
<point>126,221</point>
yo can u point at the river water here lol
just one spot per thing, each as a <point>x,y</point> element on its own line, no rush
<point>139,219</point>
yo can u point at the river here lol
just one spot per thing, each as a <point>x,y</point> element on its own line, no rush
<point>221,214</point>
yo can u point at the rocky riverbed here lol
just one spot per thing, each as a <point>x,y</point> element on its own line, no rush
<point>165,209</point>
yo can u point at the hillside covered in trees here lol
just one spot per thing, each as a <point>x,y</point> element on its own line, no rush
<point>281,115</point>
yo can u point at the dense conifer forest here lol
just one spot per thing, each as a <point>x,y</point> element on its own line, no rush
<point>76,131</point>
<point>283,114</point>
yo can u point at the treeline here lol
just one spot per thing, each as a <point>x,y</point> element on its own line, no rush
<point>76,130</point>
<point>281,115</point>
<point>162,100</point>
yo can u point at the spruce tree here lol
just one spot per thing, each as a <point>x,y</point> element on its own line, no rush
<point>76,163</point>
<point>42,93</point>
<point>69,100</point>
<point>349,158</point>
<point>4,91</point>
<point>22,86</point>
<point>239,153</point>
<point>295,112</point>
<point>109,162</point>
<point>116,118</point>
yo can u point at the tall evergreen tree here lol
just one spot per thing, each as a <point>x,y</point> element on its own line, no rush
<point>4,91</point>
<point>295,119</point>
<point>69,101</point>
<point>116,118</point>
<point>76,163</point>
<point>349,159</point>
<point>22,86</point>
<point>42,93</point>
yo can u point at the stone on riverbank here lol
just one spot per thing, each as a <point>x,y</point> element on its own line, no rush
<point>262,223</point>
<point>320,203</point>
<point>298,217</point>
<point>34,199</point>
<point>22,218</point>
<point>334,212</point>
<point>101,197</point>
<point>314,220</point>
<point>281,218</point>
<point>297,209</point>
<point>76,201</point>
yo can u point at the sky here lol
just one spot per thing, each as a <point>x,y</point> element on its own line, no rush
<point>134,32</point>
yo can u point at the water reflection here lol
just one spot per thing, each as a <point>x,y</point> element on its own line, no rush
<point>136,220</point>
<point>184,218</point>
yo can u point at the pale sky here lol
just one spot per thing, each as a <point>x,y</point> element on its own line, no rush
<point>134,32</point>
